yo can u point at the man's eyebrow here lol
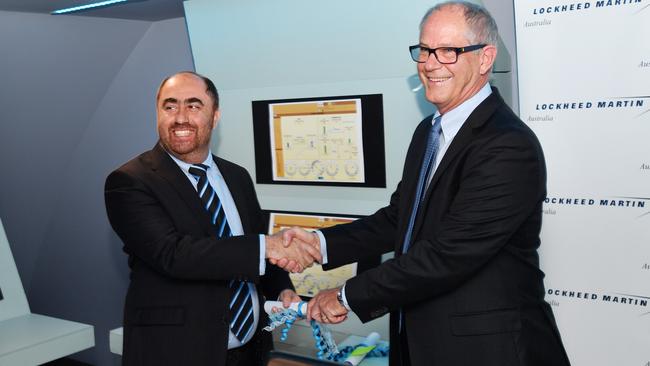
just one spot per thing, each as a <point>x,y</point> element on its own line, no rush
<point>170,100</point>
<point>193,100</point>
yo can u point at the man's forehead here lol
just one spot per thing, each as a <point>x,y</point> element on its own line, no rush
<point>184,85</point>
<point>445,23</point>
<point>446,16</point>
<point>184,80</point>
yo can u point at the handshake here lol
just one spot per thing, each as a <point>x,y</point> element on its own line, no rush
<point>293,249</point>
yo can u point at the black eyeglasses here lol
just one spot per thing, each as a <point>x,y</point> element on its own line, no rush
<point>444,55</point>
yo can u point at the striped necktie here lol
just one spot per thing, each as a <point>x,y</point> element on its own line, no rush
<point>241,304</point>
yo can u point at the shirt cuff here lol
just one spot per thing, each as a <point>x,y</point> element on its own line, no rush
<point>344,298</point>
<point>262,254</point>
<point>323,246</point>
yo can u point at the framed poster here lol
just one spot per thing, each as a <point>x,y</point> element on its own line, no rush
<point>320,141</point>
<point>314,279</point>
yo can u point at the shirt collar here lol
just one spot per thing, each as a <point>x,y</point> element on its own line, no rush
<point>186,166</point>
<point>453,120</point>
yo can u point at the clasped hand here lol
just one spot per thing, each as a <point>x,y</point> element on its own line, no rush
<point>293,249</point>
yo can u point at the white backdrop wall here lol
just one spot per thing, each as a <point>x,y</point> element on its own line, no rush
<point>258,50</point>
<point>584,78</point>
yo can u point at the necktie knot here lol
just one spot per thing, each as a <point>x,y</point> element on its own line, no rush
<point>437,126</point>
<point>199,170</point>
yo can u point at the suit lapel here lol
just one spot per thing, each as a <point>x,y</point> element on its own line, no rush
<point>167,169</point>
<point>476,119</point>
<point>414,159</point>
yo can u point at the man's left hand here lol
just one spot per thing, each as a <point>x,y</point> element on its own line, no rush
<point>325,308</point>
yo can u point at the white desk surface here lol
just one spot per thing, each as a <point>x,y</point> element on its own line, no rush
<point>301,342</point>
<point>302,345</point>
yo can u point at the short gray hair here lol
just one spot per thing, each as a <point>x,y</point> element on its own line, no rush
<point>482,25</point>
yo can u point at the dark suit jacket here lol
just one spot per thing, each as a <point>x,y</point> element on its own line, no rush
<point>470,285</point>
<point>176,309</point>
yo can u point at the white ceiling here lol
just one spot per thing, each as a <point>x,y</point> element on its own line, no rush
<point>151,10</point>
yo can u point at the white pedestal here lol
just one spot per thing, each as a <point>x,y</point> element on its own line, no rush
<point>115,337</point>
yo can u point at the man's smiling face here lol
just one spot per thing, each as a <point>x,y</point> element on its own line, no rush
<point>186,117</point>
<point>449,85</point>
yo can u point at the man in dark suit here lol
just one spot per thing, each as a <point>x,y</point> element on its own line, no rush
<point>465,287</point>
<point>191,225</point>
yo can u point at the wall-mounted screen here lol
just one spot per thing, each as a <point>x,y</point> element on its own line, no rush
<point>322,141</point>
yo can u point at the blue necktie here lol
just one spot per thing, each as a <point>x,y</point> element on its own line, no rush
<point>425,172</point>
<point>241,304</point>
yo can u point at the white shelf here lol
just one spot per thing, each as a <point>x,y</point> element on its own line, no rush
<point>28,339</point>
<point>34,339</point>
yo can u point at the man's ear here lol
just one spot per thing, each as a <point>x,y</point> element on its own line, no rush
<point>217,117</point>
<point>488,56</point>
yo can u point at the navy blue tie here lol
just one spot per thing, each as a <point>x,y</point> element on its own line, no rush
<point>241,304</point>
<point>425,171</point>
